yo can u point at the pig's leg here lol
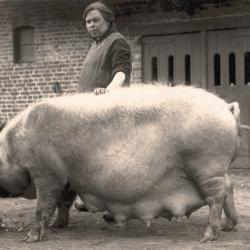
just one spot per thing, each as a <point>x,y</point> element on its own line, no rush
<point>209,175</point>
<point>108,217</point>
<point>213,190</point>
<point>49,191</point>
<point>80,205</point>
<point>64,205</point>
<point>229,207</point>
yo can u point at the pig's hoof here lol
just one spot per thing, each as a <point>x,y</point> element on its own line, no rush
<point>209,235</point>
<point>108,217</point>
<point>80,206</point>
<point>228,225</point>
<point>59,223</point>
<point>32,238</point>
<point>207,238</point>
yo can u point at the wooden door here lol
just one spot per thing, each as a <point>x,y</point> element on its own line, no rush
<point>172,58</point>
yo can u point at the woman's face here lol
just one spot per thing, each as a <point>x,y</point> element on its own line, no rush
<point>96,24</point>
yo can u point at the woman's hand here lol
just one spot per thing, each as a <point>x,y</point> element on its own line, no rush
<point>99,91</point>
<point>117,82</point>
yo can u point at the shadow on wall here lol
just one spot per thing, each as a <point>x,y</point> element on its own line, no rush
<point>57,88</point>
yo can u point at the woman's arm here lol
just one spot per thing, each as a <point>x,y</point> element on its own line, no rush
<point>117,82</point>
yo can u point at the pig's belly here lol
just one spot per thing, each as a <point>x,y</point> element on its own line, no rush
<point>163,200</point>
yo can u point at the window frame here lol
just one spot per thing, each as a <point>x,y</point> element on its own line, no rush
<point>23,42</point>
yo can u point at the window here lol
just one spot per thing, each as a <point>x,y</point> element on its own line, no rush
<point>23,44</point>
<point>247,67</point>
<point>154,69</point>
<point>231,69</point>
<point>171,69</point>
<point>217,78</point>
<point>187,70</point>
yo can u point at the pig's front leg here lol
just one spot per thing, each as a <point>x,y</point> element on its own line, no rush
<point>66,201</point>
<point>49,191</point>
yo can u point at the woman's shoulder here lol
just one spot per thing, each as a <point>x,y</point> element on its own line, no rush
<point>115,41</point>
<point>114,36</point>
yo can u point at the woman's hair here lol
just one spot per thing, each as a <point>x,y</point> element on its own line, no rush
<point>106,12</point>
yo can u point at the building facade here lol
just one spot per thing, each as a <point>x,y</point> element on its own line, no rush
<point>205,43</point>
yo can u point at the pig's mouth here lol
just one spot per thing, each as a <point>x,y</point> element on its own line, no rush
<point>5,194</point>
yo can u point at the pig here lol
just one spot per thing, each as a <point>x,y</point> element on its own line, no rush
<point>141,152</point>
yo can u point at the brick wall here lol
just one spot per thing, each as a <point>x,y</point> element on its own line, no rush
<point>61,43</point>
<point>60,46</point>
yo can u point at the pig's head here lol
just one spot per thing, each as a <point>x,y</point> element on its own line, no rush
<point>14,179</point>
<point>13,182</point>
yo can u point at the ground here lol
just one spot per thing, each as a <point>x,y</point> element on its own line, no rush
<point>89,231</point>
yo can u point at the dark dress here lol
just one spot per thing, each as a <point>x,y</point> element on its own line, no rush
<point>104,59</point>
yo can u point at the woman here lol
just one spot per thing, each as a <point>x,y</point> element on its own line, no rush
<point>108,63</point>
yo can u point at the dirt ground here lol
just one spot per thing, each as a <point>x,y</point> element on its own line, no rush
<point>89,231</point>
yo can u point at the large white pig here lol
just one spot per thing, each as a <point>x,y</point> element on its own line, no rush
<point>139,152</point>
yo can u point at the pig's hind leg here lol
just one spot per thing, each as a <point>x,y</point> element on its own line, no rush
<point>211,184</point>
<point>229,207</point>
<point>214,194</point>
